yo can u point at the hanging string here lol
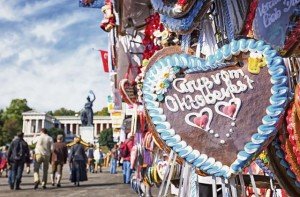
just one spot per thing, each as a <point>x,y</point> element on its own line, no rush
<point>170,174</point>
<point>182,179</point>
<point>185,42</point>
<point>224,189</point>
<point>242,184</point>
<point>164,181</point>
<point>214,186</point>
<point>209,36</point>
<point>233,187</point>
<point>194,186</point>
<point>200,42</point>
<point>273,188</point>
<point>228,22</point>
<point>253,182</point>
<point>186,180</point>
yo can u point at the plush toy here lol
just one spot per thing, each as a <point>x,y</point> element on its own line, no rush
<point>109,20</point>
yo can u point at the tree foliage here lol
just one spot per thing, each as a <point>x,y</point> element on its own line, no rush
<point>103,112</point>
<point>62,112</point>
<point>106,138</point>
<point>54,132</point>
<point>11,120</point>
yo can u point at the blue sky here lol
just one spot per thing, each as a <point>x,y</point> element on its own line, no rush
<point>46,54</point>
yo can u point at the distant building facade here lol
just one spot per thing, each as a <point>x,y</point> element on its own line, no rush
<point>33,121</point>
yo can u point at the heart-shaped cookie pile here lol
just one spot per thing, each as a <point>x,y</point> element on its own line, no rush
<point>213,112</point>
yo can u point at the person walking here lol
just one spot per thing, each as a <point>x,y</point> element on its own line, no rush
<point>4,161</point>
<point>18,155</point>
<point>99,157</point>
<point>59,157</point>
<point>43,148</point>
<point>125,150</point>
<point>90,156</point>
<point>114,159</point>
<point>78,160</point>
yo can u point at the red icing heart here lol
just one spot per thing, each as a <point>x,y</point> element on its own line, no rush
<point>201,121</point>
<point>229,110</point>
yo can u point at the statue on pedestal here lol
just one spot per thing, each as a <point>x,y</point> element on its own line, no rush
<point>87,114</point>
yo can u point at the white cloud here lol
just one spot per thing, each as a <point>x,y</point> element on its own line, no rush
<point>50,77</point>
<point>62,84</point>
<point>52,30</point>
<point>8,44</point>
<point>10,11</point>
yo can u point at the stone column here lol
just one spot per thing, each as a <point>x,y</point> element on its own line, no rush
<point>37,125</point>
<point>101,127</point>
<point>30,126</point>
<point>71,128</point>
<point>43,123</point>
<point>24,126</point>
<point>77,129</point>
<point>65,128</point>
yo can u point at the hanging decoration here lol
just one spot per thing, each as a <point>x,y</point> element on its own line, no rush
<point>109,20</point>
<point>211,95</point>
<point>224,94</point>
<point>173,9</point>
<point>156,37</point>
<point>188,22</point>
<point>274,20</point>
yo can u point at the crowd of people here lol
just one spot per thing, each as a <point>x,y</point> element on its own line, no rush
<point>54,152</point>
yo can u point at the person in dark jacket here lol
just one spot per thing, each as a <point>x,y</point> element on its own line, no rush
<point>78,160</point>
<point>18,155</point>
<point>59,157</point>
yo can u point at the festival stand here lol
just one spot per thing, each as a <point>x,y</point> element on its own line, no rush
<point>213,84</point>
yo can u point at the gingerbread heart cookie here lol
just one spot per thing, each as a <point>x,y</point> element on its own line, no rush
<point>213,112</point>
<point>128,91</point>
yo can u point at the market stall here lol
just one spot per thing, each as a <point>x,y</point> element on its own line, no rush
<point>215,94</point>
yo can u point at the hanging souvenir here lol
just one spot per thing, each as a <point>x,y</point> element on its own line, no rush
<point>282,169</point>
<point>229,18</point>
<point>242,87</point>
<point>127,89</point>
<point>275,22</point>
<point>109,21</point>
<point>173,9</point>
<point>188,22</point>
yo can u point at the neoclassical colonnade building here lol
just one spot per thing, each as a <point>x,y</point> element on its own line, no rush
<point>33,121</point>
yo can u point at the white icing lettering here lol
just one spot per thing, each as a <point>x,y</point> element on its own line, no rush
<point>205,92</point>
<point>174,107</point>
<point>182,88</point>
<point>249,81</point>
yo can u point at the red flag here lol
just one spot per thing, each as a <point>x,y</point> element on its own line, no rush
<point>104,56</point>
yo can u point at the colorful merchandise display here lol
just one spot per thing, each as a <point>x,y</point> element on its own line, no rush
<point>215,91</point>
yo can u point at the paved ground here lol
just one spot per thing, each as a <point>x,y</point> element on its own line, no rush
<point>100,184</point>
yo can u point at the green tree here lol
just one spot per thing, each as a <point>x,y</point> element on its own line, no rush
<point>15,109</point>
<point>54,132</point>
<point>103,112</point>
<point>11,120</point>
<point>106,138</point>
<point>62,112</point>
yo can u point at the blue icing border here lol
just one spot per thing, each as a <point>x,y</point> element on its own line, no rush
<point>184,23</point>
<point>281,155</point>
<point>278,102</point>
